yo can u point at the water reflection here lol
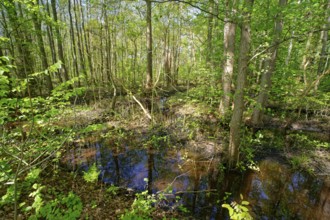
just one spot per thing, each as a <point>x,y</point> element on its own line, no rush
<point>275,192</point>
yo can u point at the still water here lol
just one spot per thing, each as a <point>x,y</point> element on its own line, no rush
<point>274,192</point>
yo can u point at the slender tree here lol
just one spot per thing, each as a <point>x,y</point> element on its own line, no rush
<point>229,33</point>
<point>236,119</point>
<point>148,85</point>
<point>325,36</point>
<point>64,70</point>
<point>73,43</point>
<point>266,78</point>
<point>42,50</point>
<point>210,32</point>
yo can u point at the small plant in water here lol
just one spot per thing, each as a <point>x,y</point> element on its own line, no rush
<point>141,208</point>
<point>92,174</point>
<point>238,211</point>
<point>113,190</point>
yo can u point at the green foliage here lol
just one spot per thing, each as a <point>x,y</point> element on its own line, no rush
<point>300,161</point>
<point>93,128</point>
<point>29,181</point>
<point>9,197</point>
<point>92,174</point>
<point>204,93</point>
<point>63,91</point>
<point>6,171</point>
<point>142,207</point>
<point>33,175</point>
<point>303,141</point>
<point>38,201</point>
<point>238,211</point>
<point>112,190</point>
<point>62,207</point>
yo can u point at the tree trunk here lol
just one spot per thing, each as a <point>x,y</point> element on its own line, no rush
<point>167,58</point>
<point>64,70</point>
<point>79,40</point>
<point>51,41</point>
<point>73,44</point>
<point>265,84</point>
<point>323,54</point>
<point>210,32</point>
<point>85,38</point>
<point>288,57</point>
<point>37,27</point>
<point>236,120</point>
<point>229,56</point>
<point>148,85</point>
<point>19,40</point>
<point>305,61</point>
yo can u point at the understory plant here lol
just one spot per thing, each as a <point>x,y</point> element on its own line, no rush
<point>92,174</point>
<point>141,208</point>
<point>238,211</point>
<point>62,207</point>
<point>29,132</point>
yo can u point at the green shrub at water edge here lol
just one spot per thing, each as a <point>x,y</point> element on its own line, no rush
<point>142,207</point>
<point>92,174</point>
<point>63,207</point>
<point>238,211</point>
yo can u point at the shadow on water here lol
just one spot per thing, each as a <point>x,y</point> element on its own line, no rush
<point>275,192</point>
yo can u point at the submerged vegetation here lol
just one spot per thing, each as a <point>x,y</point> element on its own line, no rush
<point>148,110</point>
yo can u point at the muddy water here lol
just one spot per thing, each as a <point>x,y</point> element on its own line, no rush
<point>275,192</point>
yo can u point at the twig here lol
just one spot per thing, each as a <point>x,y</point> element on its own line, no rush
<point>140,104</point>
<point>174,181</point>
<point>196,191</point>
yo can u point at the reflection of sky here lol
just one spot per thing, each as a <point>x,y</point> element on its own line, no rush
<point>264,187</point>
<point>258,189</point>
<point>296,181</point>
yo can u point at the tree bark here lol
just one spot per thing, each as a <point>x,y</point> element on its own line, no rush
<point>305,61</point>
<point>325,37</point>
<point>73,44</point>
<point>43,55</point>
<point>64,70</point>
<point>148,85</point>
<point>85,38</point>
<point>79,40</point>
<point>265,84</point>
<point>236,120</point>
<point>51,41</point>
<point>210,32</point>
<point>229,56</point>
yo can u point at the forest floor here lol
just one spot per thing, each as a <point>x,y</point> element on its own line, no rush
<point>190,124</point>
<point>196,126</point>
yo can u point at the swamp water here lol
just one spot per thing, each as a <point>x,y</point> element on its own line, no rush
<point>274,192</point>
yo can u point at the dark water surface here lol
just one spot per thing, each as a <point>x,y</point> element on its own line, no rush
<point>274,192</point>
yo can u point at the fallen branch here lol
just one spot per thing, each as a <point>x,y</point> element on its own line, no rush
<point>142,107</point>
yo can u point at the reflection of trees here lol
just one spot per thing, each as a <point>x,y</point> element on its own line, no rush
<point>274,192</point>
<point>278,193</point>
<point>150,168</point>
<point>83,155</point>
<point>322,207</point>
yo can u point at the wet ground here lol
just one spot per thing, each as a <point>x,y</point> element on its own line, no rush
<point>274,191</point>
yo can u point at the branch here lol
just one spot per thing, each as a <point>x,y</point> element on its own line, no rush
<point>309,88</point>
<point>192,5</point>
<point>287,39</point>
<point>140,104</point>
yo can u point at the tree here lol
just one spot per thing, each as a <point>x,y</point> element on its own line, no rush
<point>265,84</point>
<point>148,84</point>
<point>59,42</point>
<point>236,119</point>
<point>229,32</point>
<point>43,55</point>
